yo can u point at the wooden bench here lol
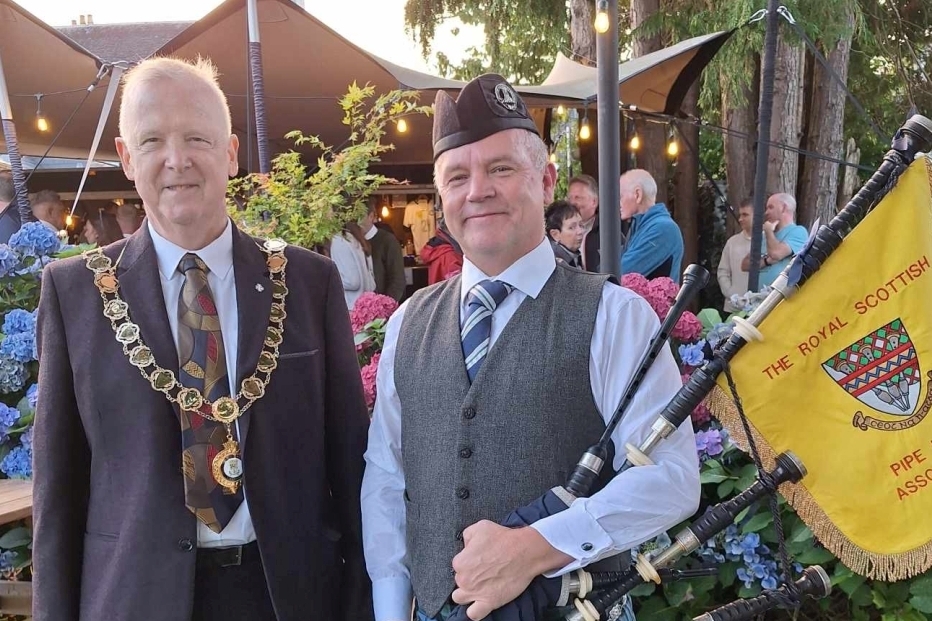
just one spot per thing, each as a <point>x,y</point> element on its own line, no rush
<point>15,504</point>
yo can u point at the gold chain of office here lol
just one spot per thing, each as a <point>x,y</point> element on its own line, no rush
<point>224,410</point>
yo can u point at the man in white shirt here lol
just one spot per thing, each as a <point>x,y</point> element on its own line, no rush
<point>201,422</point>
<point>492,384</point>
<point>731,278</point>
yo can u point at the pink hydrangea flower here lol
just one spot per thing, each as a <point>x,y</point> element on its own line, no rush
<point>369,307</point>
<point>368,374</point>
<point>635,282</point>
<point>701,415</point>
<point>688,328</point>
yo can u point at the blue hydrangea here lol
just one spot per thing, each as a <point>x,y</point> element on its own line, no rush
<point>692,354</point>
<point>32,394</point>
<point>8,419</point>
<point>8,260</point>
<point>26,438</point>
<point>19,321</point>
<point>20,347</point>
<point>12,375</point>
<point>719,333</point>
<point>18,463</point>
<point>7,558</point>
<point>35,239</point>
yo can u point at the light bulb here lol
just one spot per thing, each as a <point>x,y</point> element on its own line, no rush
<point>553,158</point>
<point>69,220</point>
<point>561,110</point>
<point>41,124</point>
<point>601,22</point>
<point>385,211</point>
<point>673,148</point>
<point>635,143</point>
<point>402,126</point>
<point>584,132</point>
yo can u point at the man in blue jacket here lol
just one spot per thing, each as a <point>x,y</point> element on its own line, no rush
<point>655,243</point>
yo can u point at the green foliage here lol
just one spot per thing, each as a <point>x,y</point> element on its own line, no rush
<point>522,37</point>
<point>309,207</point>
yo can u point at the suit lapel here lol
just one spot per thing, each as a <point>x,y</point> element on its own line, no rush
<point>141,288</point>
<point>253,304</point>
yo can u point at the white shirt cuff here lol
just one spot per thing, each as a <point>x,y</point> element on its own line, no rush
<point>392,599</point>
<point>575,533</point>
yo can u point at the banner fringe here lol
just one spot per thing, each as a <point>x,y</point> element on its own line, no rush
<point>887,567</point>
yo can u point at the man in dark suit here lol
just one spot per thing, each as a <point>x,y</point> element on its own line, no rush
<point>220,478</point>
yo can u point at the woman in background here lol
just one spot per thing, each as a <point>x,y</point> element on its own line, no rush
<point>351,252</point>
<point>102,229</point>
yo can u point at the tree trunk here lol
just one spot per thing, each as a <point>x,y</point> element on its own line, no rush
<point>851,182</point>
<point>739,113</point>
<point>686,179</point>
<point>582,34</point>
<point>786,125</point>
<point>653,136</point>
<point>819,187</point>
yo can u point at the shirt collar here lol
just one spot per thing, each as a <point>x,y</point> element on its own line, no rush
<point>371,233</point>
<point>528,274</point>
<point>218,254</point>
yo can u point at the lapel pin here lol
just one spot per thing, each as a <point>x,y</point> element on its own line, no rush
<point>259,288</point>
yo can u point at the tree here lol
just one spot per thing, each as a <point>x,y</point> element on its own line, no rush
<point>647,38</point>
<point>786,127</point>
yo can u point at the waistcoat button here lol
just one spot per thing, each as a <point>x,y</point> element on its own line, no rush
<point>469,413</point>
<point>466,453</point>
<point>462,493</point>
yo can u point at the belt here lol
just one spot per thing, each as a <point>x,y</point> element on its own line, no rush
<point>228,556</point>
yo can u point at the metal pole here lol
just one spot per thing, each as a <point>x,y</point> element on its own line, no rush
<point>12,148</point>
<point>567,133</point>
<point>763,142</point>
<point>258,89</point>
<point>609,149</point>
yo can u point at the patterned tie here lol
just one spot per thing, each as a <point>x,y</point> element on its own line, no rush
<point>203,366</point>
<point>481,302</point>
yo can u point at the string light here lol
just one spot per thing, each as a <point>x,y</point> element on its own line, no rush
<point>584,131</point>
<point>69,220</point>
<point>553,158</point>
<point>601,17</point>
<point>561,110</point>
<point>673,147</point>
<point>402,126</point>
<point>385,211</point>
<point>635,143</point>
<point>41,123</point>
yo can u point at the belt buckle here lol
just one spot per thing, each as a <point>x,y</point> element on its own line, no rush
<point>231,557</point>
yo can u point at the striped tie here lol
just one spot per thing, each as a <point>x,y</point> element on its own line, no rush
<point>481,302</point>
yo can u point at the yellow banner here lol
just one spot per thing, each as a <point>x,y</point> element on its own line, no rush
<point>843,379</point>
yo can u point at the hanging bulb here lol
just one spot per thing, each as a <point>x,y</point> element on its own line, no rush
<point>601,17</point>
<point>553,158</point>
<point>385,211</point>
<point>673,147</point>
<point>561,110</point>
<point>402,126</point>
<point>41,123</point>
<point>584,131</point>
<point>635,143</point>
<point>69,220</point>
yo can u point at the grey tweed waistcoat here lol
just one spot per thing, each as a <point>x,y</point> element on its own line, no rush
<point>475,452</point>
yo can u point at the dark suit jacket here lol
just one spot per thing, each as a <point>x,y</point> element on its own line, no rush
<point>112,533</point>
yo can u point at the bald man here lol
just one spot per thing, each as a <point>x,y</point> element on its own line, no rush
<point>655,243</point>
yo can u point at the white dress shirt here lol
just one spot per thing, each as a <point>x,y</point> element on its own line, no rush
<point>218,255</point>
<point>634,507</point>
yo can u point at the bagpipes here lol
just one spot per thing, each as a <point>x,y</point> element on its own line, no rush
<point>592,594</point>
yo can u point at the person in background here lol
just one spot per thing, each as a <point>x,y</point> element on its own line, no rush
<point>783,238</point>
<point>128,218</point>
<point>442,255</point>
<point>731,278</point>
<point>353,255</point>
<point>583,194</point>
<point>564,227</point>
<point>48,209</point>
<point>102,229</point>
<point>388,262</point>
<point>655,243</point>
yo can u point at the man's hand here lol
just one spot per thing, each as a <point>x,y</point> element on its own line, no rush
<point>769,226</point>
<point>498,563</point>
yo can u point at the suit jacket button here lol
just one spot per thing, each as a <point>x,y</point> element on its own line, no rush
<point>469,413</point>
<point>185,545</point>
<point>463,493</point>
<point>466,453</point>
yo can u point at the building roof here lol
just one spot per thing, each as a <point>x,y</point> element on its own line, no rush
<point>130,42</point>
